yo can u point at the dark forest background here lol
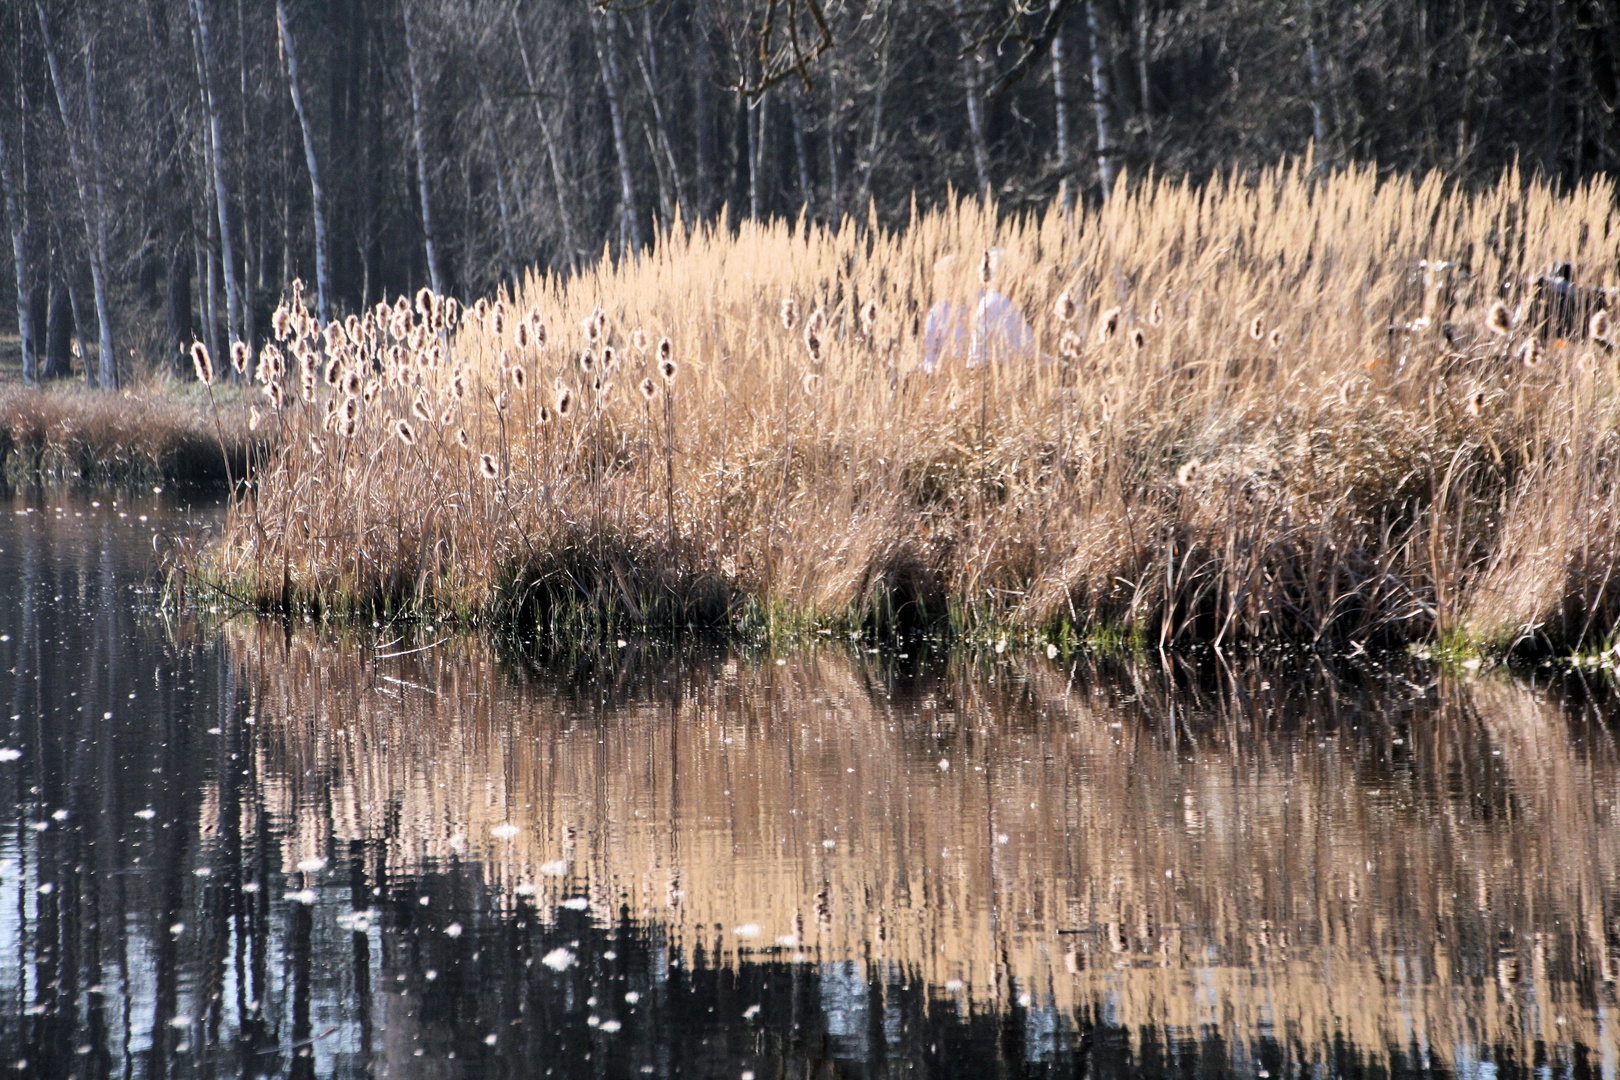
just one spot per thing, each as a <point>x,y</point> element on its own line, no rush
<point>170,165</point>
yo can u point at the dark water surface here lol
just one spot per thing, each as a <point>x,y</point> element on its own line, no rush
<point>249,850</point>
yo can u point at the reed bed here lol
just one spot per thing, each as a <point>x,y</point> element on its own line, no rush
<point>1254,409</point>
<point>158,432</point>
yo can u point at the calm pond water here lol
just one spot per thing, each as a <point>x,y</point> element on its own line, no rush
<point>255,850</point>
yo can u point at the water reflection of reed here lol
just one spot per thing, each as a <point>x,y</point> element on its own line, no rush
<point>1428,869</point>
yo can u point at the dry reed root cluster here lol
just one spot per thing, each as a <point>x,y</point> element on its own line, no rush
<point>1337,410</point>
<point>154,433</point>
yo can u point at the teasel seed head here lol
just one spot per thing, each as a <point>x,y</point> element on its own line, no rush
<point>307,385</point>
<point>1476,401</point>
<point>315,446</point>
<point>518,376</point>
<point>497,319</point>
<point>811,382</point>
<point>488,467</point>
<point>281,323</point>
<point>273,392</point>
<point>346,427</point>
<point>1108,324</point>
<point>421,409</point>
<point>1069,346</point>
<point>351,383</point>
<point>520,336</point>
<point>1500,319</point>
<point>1274,339</point>
<point>604,393</point>
<point>649,389</point>
<point>790,314</point>
<point>1187,475</point>
<point>351,408</point>
<point>668,369</point>
<point>1105,407</point>
<point>481,308</point>
<point>666,349</point>
<point>587,361</point>
<point>599,322</point>
<point>817,320</point>
<point>424,302</point>
<point>203,363</point>
<point>1601,327</point>
<point>1065,308</point>
<point>404,432</point>
<point>987,267</point>
<point>1257,327</point>
<point>372,388</point>
<point>334,372</point>
<point>545,414</point>
<point>463,440</point>
<point>812,345</point>
<point>448,415</point>
<point>458,386</point>
<point>1156,315</point>
<point>565,402</point>
<point>1138,339</point>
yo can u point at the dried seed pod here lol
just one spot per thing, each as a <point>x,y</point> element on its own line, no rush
<point>203,363</point>
<point>1257,327</point>
<point>488,467</point>
<point>405,433</point>
<point>649,389</point>
<point>1187,475</point>
<point>1065,308</point>
<point>1500,319</point>
<point>790,314</point>
<point>668,369</point>
<point>1108,324</point>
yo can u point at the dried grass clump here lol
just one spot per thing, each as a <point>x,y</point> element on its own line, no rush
<point>156,432</point>
<point>1264,435</point>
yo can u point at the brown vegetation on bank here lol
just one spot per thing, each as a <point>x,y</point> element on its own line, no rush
<point>156,432</point>
<point>1228,412</point>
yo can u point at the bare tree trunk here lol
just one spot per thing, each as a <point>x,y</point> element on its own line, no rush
<point>975,102</point>
<point>833,110</point>
<point>16,203</point>
<point>703,120</point>
<point>648,62</point>
<point>92,199</point>
<point>877,123</point>
<point>802,153</point>
<point>419,143</point>
<point>1060,109</point>
<point>608,56</point>
<point>222,196</point>
<point>1313,59</point>
<point>508,249</point>
<point>323,282</point>
<point>249,196</point>
<point>1102,101</point>
<point>756,153</point>
<point>1555,87</point>
<point>1144,88</point>
<point>551,144</point>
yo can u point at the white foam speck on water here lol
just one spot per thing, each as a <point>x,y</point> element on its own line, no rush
<point>555,868</point>
<point>491,1039</point>
<point>177,929</point>
<point>610,1026</point>
<point>524,888</point>
<point>504,832</point>
<point>953,986</point>
<point>787,941</point>
<point>9,753</point>
<point>250,886</point>
<point>453,930</point>
<point>747,930</point>
<point>829,844</point>
<point>750,1012</point>
<point>944,764</point>
<point>558,959</point>
<point>302,896</point>
<point>203,871</point>
<point>312,866</point>
<point>631,997</point>
<point>146,815</point>
<point>576,903</point>
<point>1025,1000</point>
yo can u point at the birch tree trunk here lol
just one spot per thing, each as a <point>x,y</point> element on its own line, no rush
<point>419,143</point>
<point>1102,100</point>
<point>289,50</point>
<point>647,60</point>
<point>551,143</point>
<point>222,196</point>
<point>92,204</point>
<point>1060,110</point>
<point>16,204</point>
<point>1313,60</point>
<point>802,153</point>
<point>608,57</point>
<point>975,101</point>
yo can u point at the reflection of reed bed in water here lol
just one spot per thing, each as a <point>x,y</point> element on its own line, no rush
<point>1313,859</point>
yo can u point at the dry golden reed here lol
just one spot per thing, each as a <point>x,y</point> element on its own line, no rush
<point>979,461</point>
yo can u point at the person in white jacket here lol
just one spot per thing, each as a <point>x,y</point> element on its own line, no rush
<point>988,326</point>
